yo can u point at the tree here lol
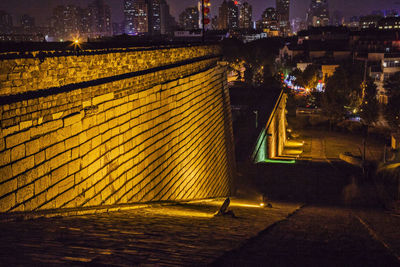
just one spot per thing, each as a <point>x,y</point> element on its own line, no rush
<point>308,78</point>
<point>369,109</point>
<point>343,91</point>
<point>392,109</point>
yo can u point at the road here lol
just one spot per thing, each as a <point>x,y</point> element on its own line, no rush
<point>342,224</point>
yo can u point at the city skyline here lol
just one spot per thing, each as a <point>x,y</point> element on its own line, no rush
<point>297,8</point>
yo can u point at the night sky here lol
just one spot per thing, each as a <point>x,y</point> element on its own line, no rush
<point>41,9</point>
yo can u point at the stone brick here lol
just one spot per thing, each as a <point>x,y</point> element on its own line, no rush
<point>8,187</point>
<point>6,203</point>
<point>60,160</point>
<point>47,127</point>
<point>32,147</point>
<point>5,157</point>
<point>42,184</point>
<point>25,124</point>
<point>22,165</point>
<point>25,193</point>
<point>72,142</point>
<point>103,98</point>
<point>17,152</point>
<point>10,130</point>
<point>59,173</point>
<point>55,150</point>
<point>16,139</point>
<point>2,144</point>
<point>72,119</point>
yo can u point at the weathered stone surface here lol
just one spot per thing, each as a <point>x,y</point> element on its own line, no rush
<point>123,141</point>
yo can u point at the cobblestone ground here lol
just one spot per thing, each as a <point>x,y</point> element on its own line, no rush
<point>185,234</point>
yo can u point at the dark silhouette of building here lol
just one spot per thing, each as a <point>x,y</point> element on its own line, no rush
<point>6,22</point>
<point>27,23</point>
<point>245,17</point>
<point>228,15</point>
<point>318,13</point>
<point>283,11</point>
<point>154,17</point>
<point>99,17</point>
<point>189,19</point>
<point>269,21</point>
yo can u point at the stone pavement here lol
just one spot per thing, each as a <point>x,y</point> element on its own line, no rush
<point>314,236</point>
<point>179,234</point>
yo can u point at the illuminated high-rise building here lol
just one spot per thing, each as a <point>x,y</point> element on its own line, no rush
<point>129,14</point>
<point>283,11</point>
<point>189,19</point>
<point>245,16</point>
<point>228,15</point>
<point>318,13</point>
<point>154,17</point>
<point>99,19</point>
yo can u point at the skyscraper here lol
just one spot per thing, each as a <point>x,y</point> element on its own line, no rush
<point>140,19</point>
<point>129,17</point>
<point>66,22</point>
<point>99,19</point>
<point>223,16</point>
<point>245,17</point>
<point>283,10</point>
<point>228,15</point>
<point>318,13</point>
<point>189,19</point>
<point>269,21</point>
<point>233,14</point>
<point>154,17</point>
<point>6,22</point>
<point>167,21</point>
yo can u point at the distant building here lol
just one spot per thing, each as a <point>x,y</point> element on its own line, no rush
<point>189,18</point>
<point>154,17</point>
<point>6,22</point>
<point>99,19</point>
<point>118,28</point>
<point>223,16</point>
<point>66,23</point>
<point>27,23</point>
<point>318,13</point>
<point>168,23</point>
<point>141,15</point>
<point>389,23</point>
<point>283,11</point>
<point>245,16</point>
<point>228,15</point>
<point>269,21</point>
<point>129,14</point>
<point>369,22</point>
<point>391,13</point>
<point>337,18</point>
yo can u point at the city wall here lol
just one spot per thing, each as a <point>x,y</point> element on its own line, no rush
<point>113,127</point>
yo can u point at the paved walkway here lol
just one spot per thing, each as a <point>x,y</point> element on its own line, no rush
<point>175,235</point>
<point>342,224</point>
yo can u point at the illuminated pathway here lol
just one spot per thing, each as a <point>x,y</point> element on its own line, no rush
<point>185,234</point>
<point>342,224</point>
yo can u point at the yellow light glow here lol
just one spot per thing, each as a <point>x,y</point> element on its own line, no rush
<point>245,205</point>
<point>262,205</point>
<point>76,41</point>
<point>182,213</point>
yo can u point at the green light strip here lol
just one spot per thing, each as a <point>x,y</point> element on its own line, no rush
<point>280,161</point>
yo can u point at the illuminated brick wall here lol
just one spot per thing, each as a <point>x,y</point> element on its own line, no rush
<point>145,136</point>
